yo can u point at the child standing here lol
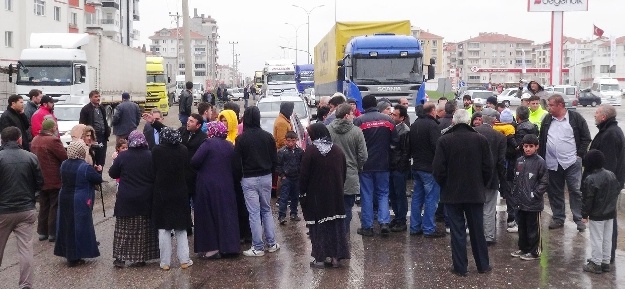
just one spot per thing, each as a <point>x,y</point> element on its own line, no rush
<point>289,157</point>
<point>530,184</point>
<point>120,146</point>
<point>600,190</point>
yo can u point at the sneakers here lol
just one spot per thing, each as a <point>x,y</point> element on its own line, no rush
<point>581,226</point>
<point>253,253</point>
<point>384,230</point>
<point>365,232</point>
<point>295,218</point>
<point>447,230</point>
<point>511,224</point>
<point>529,257</point>
<point>514,229</point>
<point>606,267</point>
<point>43,237</point>
<point>517,253</point>
<point>593,268</point>
<point>273,248</point>
<point>282,220</point>
<point>555,224</point>
<point>186,265</point>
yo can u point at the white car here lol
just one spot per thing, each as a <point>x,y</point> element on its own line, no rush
<point>67,116</point>
<point>270,107</point>
<point>235,94</point>
<point>509,97</point>
<point>477,96</point>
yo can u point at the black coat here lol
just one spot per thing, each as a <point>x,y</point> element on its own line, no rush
<point>134,195</point>
<point>86,117</point>
<point>424,133</point>
<point>170,202</point>
<point>530,183</point>
<point>497,143</point>
<point>12,118</point>
<point>580,132</point>
<point>148,131</point>
<point>600,190</point>
<point>611,142</point>
<point>462,165</point>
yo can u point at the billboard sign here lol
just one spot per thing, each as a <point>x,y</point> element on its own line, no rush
<point>557,5</point>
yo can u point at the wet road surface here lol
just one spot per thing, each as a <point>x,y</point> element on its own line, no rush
<point>399,261</point>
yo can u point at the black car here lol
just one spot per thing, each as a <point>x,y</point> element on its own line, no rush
<point>588,98</point>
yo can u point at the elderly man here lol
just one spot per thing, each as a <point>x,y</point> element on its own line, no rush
<point>463,167</point>
<point>611,142</point>
<point>563,142</point>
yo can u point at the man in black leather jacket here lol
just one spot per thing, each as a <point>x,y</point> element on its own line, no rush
<point>400,168</point>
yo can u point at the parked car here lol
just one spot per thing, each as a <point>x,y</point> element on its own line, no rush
<point>477,96</point>
<point>509,97</point>
<point>568,90</point>
<point>586,98</point>
<point>235,94</point>
<point>462,90</point>
<point>270,107</point>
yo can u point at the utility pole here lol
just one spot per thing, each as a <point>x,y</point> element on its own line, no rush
<point>177,15</point>
<point>188,61</point>
<point>236,69</point>
<point>234,60</point>
<point>308,24</point>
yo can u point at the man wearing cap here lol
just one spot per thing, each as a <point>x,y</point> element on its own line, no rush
<point>126,118</point>
<point>45,111</point>
<point>32,105</point>
<point>525,99</point>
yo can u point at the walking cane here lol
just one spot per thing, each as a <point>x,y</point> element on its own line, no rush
<point>99,187</point>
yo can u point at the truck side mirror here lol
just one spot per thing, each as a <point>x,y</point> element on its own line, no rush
<point>341,73</point>
<point>431,71</point>
<point>340,63</point>
<point>10,72</point>
<point>168,79</point>
<point>432,61</point>
<point>83,73</point>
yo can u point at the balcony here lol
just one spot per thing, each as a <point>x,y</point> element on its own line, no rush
<point>109,22</point>
<point>111,4</point>
<point>135,34</point>
<point>93,2</point>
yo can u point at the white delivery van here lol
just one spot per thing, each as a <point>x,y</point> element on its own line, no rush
<point>608,89</point>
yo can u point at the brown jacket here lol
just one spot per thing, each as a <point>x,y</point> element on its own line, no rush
<point>50,152</point>
<point>280,127</point>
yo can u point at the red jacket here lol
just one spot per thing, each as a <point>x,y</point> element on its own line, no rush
<point>38,118</point>
<point>50,152</point>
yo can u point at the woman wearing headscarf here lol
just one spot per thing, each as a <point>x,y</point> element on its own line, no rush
<point>170,202</point>
<point>135,238</point>
<point>85,134</point>
<point>215,210</point>
<point>229,118</point>
<point>322,175</point>
<point>75,235</point>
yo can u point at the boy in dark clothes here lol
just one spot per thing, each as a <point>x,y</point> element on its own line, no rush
<point>289,157</point>
<point>530,184</point>
<point>600,190</point>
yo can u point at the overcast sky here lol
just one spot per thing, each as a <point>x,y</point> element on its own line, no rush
<point>259,26</point>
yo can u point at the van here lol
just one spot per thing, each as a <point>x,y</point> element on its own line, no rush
<point>566,90</point>
<point>608,89</point>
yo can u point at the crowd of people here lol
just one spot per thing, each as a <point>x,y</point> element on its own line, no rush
<point>212,178</point>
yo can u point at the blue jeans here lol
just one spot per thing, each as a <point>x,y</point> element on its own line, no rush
<point>397,195</point>
<point>257,193</point>
<point>289,191</point>
<point>374,185</point>
<point>425,196</point>
<point>348,201</point>
<point>183,119</point>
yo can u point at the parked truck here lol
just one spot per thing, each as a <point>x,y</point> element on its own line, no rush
<point>67,66</point>
<point>279,77</point>
<point>157,83</point>
<point>362,58</point>
<point>304,76</point>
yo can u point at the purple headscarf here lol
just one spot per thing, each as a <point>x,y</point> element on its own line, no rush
<point>136,139</point>
<point>217,129</point>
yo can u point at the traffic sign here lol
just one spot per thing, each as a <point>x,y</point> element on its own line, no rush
<point>474,69</point>
<point>462,84</point>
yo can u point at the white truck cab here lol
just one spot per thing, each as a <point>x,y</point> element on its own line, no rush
<point>608,89</point>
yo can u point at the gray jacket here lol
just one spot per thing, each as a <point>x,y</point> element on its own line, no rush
<point>20,178</point>
<point>185,102</point>
<point>29,109</point>
<point>352,141</point>
<point>126,118</point>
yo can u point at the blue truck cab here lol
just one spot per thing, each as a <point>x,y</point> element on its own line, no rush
<point>304,76</point>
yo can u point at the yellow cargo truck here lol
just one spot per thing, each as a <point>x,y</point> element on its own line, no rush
<point>380,58</point>
<point>156,85</point>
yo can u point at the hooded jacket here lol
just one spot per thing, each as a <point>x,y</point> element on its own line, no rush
<point>352,141</point>
<point>611,142</point>
<point>540,92</point>
<point>255,147</point>
<point>233,124</point>
<point>283,123</point>
<point>530,183</point>
<point>37,119</point>
<point>522,129</point>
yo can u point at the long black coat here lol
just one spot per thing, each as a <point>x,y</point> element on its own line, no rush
<point>134,169</point>
<point>497,143</point>
<point>462,165</point>
<point>12,118</point>
<point>170,202</point>
<point>611,142</point>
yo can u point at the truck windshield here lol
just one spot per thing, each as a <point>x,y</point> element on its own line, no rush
<point>45,74</point>
<point>389,70</point>
<point>306,76</point>
<point>156,78</point>
<point>609,87</point>
<point>281,77</point>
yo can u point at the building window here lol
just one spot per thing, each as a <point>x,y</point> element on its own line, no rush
<point>8,38</point>
<point>474,77</point>
<point>57,13</point>
<point>8,5</point>
<point>200,65</point>
<point>74,19</point>
<point>606,69</point>
<point>181,72</point>
<point>200,73</point>
<point>434,43</point>
<point>181,65</point>
<point>200,49</point>
<point>40,7</point>
<point>90,18</point>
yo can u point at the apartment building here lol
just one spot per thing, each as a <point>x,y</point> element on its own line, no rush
<point>207,27</point>
<point>227,76</point>
<point>598,62</point>
<point>492,58</point>
<point>450,60</point>
<point>114,19</point>
<point>432,45</point>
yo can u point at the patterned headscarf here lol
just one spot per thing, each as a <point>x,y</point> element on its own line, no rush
<point>76,150</point>
<point>217,129</point>
<point>170,136</point>
<point>136,139</point>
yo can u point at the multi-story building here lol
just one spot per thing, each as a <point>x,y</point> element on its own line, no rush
<point>432,45</point>
<point>114,19</point>
<point>599,62</point>
<point>227,76</point>
<point>207,27</point>
<point>492,58</point>
<point>450,59</point>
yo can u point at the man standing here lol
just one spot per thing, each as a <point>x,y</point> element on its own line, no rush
<point>257,151</point>
<point>50,153</point>
<point>31,106</point>
<point>404,102</point>
<point>246,95</point>
<point>336,100</point>
<point>497,144</point>
<point>424,134</point>
<point>151,134</point>
<point>563,142</point>
<point>126,118</point>
<point>400,169</point>
<point>380,135</point>
<point>93,114</point>
<point>537,113</point>
<point>20,178</point>
<point>186,101</point>
<point>463,166</point>
<point>351,140</point>
<point>610,141</point>
<point>445,121</point>
<point>14,116</point>
<point>46,110</point>
<point>282,123</point>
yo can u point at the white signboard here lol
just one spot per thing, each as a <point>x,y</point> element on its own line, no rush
<point>557,5</point>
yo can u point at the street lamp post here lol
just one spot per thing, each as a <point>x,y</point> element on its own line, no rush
<point>308,24</point>
<point>296,29</point>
